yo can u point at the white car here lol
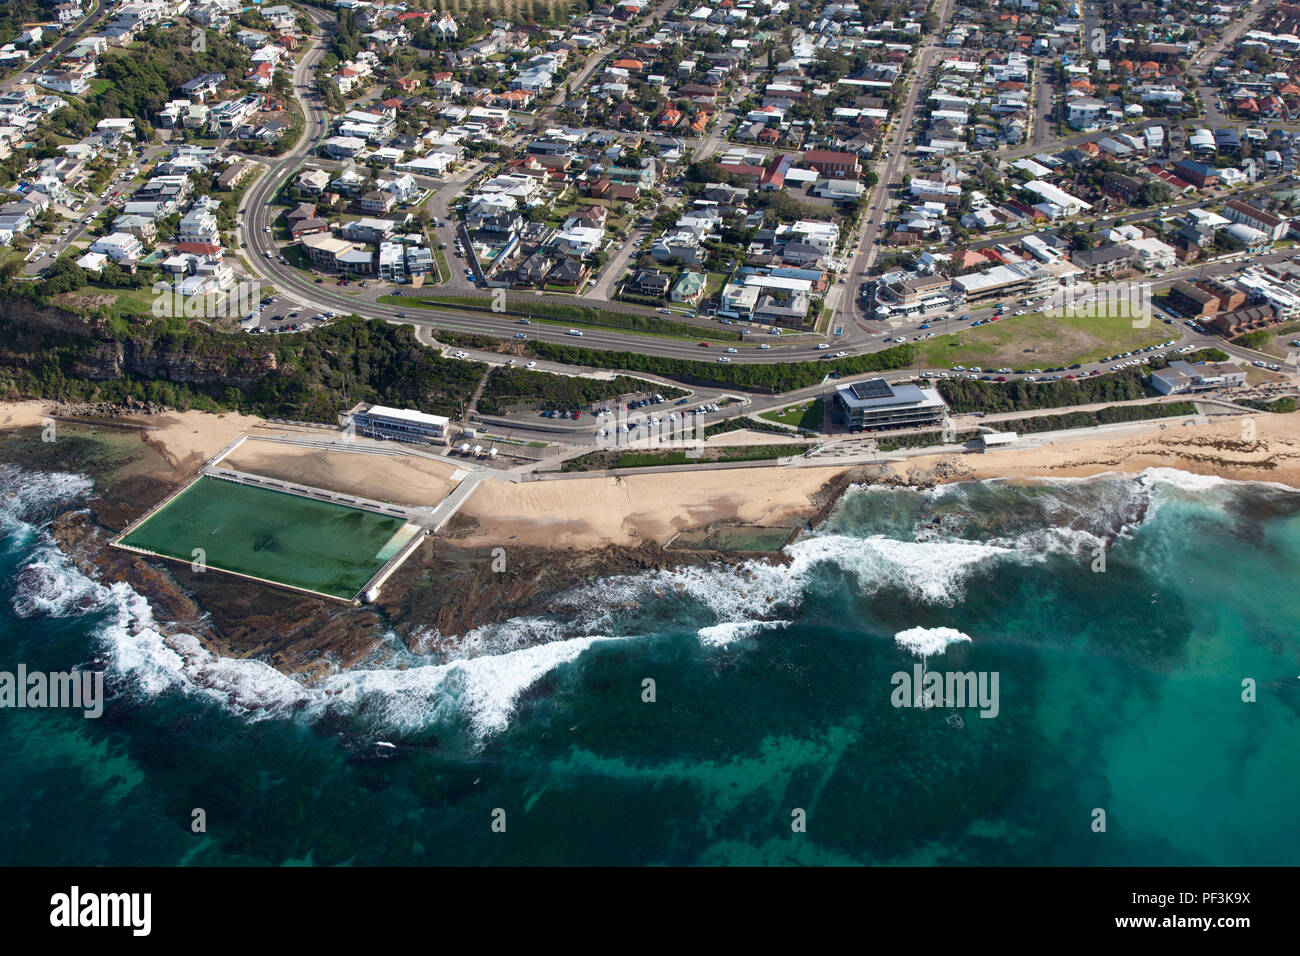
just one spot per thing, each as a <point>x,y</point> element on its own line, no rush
<point>823,345</point>
<point>765,346</point>
<point>841,354</point>
<point>723,358</point>
<point>575,331</point>
<point>531,365</point>
<point>732,351</point>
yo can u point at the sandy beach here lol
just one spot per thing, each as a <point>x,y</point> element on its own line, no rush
<point>23,414</point>
<point>628,510</point>
<point>752,436</point>
<point>185,440</point>
<point>188,439</point>
<point>1220,448</point>
<point>397,479</point>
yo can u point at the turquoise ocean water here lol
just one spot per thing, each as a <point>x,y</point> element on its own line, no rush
<point>1119,690</point>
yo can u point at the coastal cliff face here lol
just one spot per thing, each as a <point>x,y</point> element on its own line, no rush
<point>90,351</point>
<point>86,353</point>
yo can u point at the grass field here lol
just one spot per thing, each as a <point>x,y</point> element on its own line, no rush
<point>1265,340</point>
<point>807,415</point>
<point>1041,341</point>
<point>315,545</point>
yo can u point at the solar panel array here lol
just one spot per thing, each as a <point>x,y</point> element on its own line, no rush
<point>872,388</point>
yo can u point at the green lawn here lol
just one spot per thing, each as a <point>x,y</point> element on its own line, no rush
<point>1265,340</point>
<point>807,415</point>
<point>294,256</point>
<point>1041,341</point>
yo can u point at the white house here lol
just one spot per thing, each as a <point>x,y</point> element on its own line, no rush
<point>1150,254</point>
<point>1085,113</point>
<point>119,246</point>
<point>583,240</point>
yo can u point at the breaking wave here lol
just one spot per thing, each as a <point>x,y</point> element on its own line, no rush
<point>925,642</point>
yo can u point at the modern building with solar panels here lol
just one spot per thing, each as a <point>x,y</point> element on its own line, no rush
<point>876,404</point>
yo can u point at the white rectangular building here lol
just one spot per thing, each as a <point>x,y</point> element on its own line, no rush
<point>399,424</point>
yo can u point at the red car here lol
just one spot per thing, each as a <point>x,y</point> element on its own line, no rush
<point>704,345</point>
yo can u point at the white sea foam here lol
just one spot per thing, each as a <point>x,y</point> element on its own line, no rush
<point>45,589</point>
<point>924,642</point>
<point>743,598</point>
<point>482,689</point>
<point>1041,542</point>
<point>24,493</point>
<point>1183,480</point>
<point>720,635</point>
<point>932,572</point>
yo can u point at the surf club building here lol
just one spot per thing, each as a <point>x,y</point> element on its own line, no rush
<point>398,424</point>
<point>876,404</point>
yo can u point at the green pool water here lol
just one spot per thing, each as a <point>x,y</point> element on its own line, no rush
<point>316,545</point>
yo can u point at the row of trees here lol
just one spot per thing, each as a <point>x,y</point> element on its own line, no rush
<point>517,386</point>
<point>967,395</point>
<point>776,377</point>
